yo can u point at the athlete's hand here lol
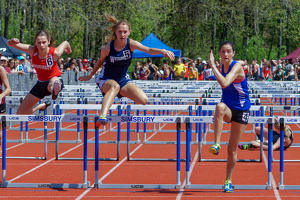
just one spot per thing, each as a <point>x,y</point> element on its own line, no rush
<point>68,50</point>
<point>84,78</point>
<point>13,41</point>
<point>169,54</point>
<point>212,58</point>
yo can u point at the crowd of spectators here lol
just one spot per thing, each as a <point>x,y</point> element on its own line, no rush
<point>22,64</point>
<point>181,69</point>
<point>188,69</point>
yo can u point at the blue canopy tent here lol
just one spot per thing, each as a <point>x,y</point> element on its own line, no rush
<point>8,51</point>
<point>152,41</point>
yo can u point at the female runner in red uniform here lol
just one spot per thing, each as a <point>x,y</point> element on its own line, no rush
<point>3,93</point>
<point>44,60</point>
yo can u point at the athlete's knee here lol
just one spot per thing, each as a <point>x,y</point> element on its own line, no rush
<point>257,130</point>
<point>232,154</point>
<point>220,108</point>
<point>144,100</point>
<point>114,87</point>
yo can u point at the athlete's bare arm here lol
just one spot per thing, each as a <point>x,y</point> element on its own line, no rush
<point>153,51</point>
<point>14,42</point>
<point>104,53</point>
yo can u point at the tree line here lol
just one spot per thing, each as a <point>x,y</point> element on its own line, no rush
<point>258,28</point>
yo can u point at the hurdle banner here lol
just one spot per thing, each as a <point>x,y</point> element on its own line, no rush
<point>8,184</point>
<point>45,118</point>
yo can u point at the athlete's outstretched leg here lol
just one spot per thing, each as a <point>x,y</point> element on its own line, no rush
<point>111,89</point>
<point>27,106</point>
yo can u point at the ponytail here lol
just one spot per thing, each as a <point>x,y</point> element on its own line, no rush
<point>114,27</point>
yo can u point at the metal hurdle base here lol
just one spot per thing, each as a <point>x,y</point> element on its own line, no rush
<point>19,157</point>
<point>225,160</point>
<point>165,142</point>
<point>137,186</point>
<point>221,187</point>
<point>102,159</point>
<point>155,159</point>
<point>44,185</point>
<point>289,187</point>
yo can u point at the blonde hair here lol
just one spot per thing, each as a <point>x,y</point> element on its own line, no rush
<point>116,23</point>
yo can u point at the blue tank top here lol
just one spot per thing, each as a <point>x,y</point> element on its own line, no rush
<point>117,62</point>
<point>236,95</point>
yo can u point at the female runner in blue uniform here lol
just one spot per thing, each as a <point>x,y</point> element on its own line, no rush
<point>116,57</point>
<point>234,106</point>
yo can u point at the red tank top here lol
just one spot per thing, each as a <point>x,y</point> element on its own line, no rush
<point>245,68</point>
<point>45,68</point>
<point>266,72</point>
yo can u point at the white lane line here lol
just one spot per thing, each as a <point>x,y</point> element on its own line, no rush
<point>115,167</point>
<point>50,133</point>
<point>179,196</point>
<point>48,161</point>
<point>274,186</point>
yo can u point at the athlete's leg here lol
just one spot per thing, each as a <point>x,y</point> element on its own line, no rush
<point>255,143</point>
<point>135,93</point>
<point>265,132</point>
<point>1,131</point>
<point>237,129</point>
<point>27,105</point>
<point>222,113</point>
<point>54,87</point>
<point>111,89</point>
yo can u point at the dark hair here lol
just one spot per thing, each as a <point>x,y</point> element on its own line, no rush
<point>47,34</point>
<point>225,43</point>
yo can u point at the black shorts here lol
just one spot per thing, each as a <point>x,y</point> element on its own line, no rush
<point>40,89</point>
<point>240,116</point>
<point>276,136</point>
<point>2,108</point>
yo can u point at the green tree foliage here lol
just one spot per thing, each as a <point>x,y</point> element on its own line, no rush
<point>259,28</point>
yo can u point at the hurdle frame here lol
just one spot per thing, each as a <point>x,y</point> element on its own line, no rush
<point>187,108</point>
<point>241,187</point>
<point>98,184</point>
<point>259,109</point>
<point>282,121</point>
<point>91,107</point>
<point>188,120</point>
<point>8,184</point>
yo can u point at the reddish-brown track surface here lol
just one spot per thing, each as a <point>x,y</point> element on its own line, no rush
<point>141,172</point>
